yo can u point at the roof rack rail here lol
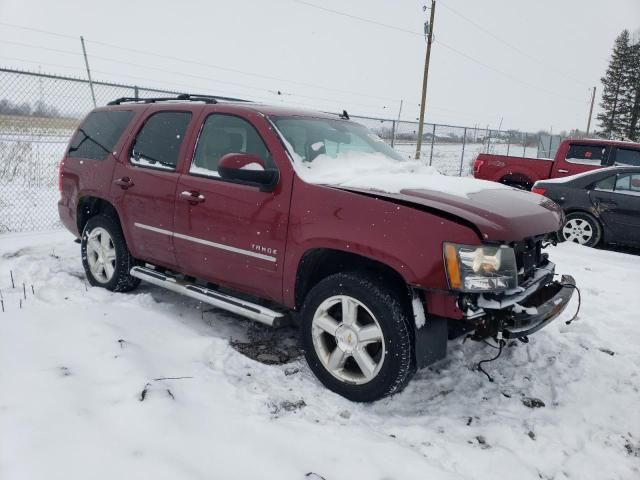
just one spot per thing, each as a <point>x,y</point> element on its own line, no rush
<point>182,97</point>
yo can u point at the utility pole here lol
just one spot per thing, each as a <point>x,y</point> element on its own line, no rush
<point>425,77</point>
<point>593,97</point>
<point>86,63</point>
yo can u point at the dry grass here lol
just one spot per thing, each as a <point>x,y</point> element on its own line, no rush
<point>15,122</point>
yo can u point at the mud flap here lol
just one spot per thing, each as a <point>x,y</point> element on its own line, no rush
<point>431,341</point>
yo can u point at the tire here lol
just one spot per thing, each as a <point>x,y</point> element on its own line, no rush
<point>351,347</point>
<point>519,186</point>
<point>105,256</point>
<point>581,228</point>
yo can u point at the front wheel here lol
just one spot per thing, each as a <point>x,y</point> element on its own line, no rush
<point>356,337</point>
<point>581,228</point>
<point>105,256</point>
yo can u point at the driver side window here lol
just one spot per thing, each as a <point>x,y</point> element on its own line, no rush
<point>222,134</point>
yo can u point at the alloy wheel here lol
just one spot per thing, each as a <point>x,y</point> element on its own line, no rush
<point>101,255</point>
<point>348,339</point>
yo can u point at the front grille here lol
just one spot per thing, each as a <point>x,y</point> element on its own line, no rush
<point>528,257</point>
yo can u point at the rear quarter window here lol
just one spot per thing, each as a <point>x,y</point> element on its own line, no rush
<point>98,134</point>
<point>626,156</point>
<point>587,154</point>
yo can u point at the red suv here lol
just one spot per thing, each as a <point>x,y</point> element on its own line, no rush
<point>284,215</point>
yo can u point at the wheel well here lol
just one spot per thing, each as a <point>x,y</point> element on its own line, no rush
<point>517,179</point>
<point>318,264</point>
<point>90,207</point>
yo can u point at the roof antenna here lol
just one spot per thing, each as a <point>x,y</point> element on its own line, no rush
<point>344,115</point>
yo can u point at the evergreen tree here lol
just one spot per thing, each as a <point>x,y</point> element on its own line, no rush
<point>630,101</point>
<point>611,120</point>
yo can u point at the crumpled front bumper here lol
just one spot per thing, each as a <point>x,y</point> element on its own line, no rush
<point>547,303</point>
<point>535,305</point>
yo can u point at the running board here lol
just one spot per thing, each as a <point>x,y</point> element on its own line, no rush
<point>236,305</point>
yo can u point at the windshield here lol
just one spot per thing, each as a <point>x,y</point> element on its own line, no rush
<point>311,138</point>
<point>347,155</point>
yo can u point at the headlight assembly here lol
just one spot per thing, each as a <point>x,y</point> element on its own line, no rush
<point>480,269</point>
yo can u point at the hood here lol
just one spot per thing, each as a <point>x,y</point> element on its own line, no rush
<point>500,214</point>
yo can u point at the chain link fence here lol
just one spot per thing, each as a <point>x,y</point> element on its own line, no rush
<point>40,112</point>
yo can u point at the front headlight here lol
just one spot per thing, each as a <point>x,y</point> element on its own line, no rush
<point>480,269</point>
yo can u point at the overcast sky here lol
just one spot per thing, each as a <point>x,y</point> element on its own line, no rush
<point>529,62</point>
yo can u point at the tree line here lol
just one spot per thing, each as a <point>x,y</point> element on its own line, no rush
<point>25,109</point>
<point>620,106</point>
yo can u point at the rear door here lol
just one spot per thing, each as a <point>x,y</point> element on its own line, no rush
<point>231,233</point>
<point>617,200</point>
<point>581,157</point>
<point>144,183</point>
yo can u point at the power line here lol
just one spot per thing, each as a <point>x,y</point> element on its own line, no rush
<point>413,32</point>
<point>356,17</point>
<point>515,79</point>
<point>508,44</point>
<point>199,77</point>
<point>202,64</point>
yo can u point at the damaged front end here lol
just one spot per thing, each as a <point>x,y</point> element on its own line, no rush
<point>507,291</point>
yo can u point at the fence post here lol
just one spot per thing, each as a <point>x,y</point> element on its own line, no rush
<point>508,143</point>
<point>136,93</point>
<point>464,141</point>
<point>393,133</point>
<point>549,151</point>
<point>524,146</point>
<point>433,138</point>
<point>488,139</point>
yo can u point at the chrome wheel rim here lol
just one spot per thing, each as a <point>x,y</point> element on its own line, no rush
<point>101,255</point>
<point>578,230</point>
<point>348,340</point>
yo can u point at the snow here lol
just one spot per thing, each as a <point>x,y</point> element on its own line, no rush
<point>74,361</point>
<point>203,171</point>
<point>569,178</point>
<point>376,171</point>
<point>418,312</point>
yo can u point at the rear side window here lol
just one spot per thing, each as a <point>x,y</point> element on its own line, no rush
<point>587,154</point>
<point>625,156</point>
<point>159,140</point>
<point>628,183</point>
<point>606,183</point>
<point>98,134</point>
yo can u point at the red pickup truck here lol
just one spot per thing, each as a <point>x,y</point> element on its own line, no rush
<point>572,157</point>
<point>282,215</point>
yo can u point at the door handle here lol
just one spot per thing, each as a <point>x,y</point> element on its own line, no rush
<point>124,182</point>
<point>562,170</point>
<point>192,197</point>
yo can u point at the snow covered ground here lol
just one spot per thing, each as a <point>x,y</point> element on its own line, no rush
<point>82,393</point>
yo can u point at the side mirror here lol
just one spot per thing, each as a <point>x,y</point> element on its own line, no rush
<point>245,167</point>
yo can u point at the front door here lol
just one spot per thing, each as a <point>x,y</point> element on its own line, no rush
<point>144,187</point>
<point>619,207</point>
<point>230,233</point>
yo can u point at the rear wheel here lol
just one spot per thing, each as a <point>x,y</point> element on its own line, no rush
<point>105,256</point>
<point>356,337</point>
<point>581,228</point>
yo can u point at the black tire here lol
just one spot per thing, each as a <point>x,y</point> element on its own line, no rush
<point>520,186</point>
<point>589,224</point>
<point>120,281</point>
<point>393,320</point>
